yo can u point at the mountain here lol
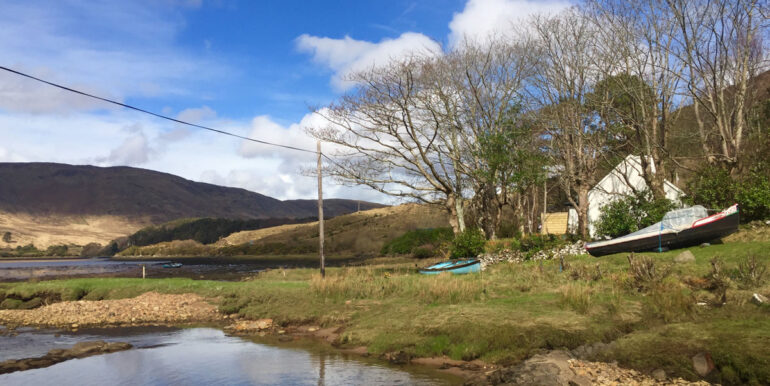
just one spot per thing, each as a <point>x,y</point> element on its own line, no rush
<point>48,203</point>
<point>47,189</point>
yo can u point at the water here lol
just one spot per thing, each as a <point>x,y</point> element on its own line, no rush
<point>212,269</point>
<point>203,356</point>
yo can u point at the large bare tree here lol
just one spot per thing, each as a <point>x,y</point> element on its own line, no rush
<point>569,66</point>
<point>643,85</point>
<point>411,128</point>
<point>391,134</point>
<point>722,44</point>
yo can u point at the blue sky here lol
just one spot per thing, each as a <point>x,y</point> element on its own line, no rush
<point>252,67</point>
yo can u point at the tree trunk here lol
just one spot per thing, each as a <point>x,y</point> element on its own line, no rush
<point>582,210</point>
<point>456,214</point>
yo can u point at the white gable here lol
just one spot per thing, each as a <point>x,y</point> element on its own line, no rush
<point>622,181</point>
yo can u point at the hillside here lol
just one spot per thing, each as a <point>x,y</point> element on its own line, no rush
<point>48,203</point>
<point>355,234</point>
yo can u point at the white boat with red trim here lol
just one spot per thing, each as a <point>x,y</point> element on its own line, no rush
<point>679,229</point>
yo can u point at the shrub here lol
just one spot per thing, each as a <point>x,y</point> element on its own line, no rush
<point>56,250</point>
<point>631,213</point>
<point>714,188</point>
<point>753,196</point>
<point>644,274</point>
<point>469,243</point>
<point>751,272</point>
<point>7,237</point>
<point>91,250</point>
<point>711,187</point>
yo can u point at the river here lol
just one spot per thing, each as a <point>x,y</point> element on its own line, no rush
<point>202,356</point>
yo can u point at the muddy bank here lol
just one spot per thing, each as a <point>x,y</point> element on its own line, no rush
<point>147,309</point>
<point>79,350</point>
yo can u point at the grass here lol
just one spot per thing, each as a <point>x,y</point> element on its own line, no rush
<point>504,315</point>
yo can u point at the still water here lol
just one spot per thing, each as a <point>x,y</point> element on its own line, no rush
<point>203,356</point>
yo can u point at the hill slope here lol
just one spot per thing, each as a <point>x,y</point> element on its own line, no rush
<point>355,234</point>
<point>48,203</point>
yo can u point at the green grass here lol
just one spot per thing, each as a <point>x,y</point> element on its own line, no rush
<point>504,315</point>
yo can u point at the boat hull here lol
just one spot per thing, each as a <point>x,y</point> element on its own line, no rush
<point>695,235</point>
<point>455,267</point>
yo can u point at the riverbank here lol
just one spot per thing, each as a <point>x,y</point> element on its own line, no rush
<point>595,309</point>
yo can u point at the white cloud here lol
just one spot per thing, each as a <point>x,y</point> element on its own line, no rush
<point>481,19</point>
<point>112,49</point>
<point>135,150</point>
<point>347,55</point>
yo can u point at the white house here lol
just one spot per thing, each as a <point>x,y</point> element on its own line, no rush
<point>621,181</point>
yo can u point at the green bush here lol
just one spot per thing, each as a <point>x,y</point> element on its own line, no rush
<point>631,213</point>
<point>714,188</point>
<point>468,244</point>
<point>753,196</point>
<point>711,187</point>
<point>535,243</point>
<point>56,250</point>
<point>409,242</point>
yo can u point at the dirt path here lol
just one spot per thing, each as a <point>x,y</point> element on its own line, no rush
<point>145,309</point>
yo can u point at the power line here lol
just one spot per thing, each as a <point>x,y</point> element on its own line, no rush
<point>156,114</point>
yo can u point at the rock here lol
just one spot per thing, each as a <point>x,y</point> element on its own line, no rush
<point>703,245</point>
<point>398,358</point>
<point>79,350</point>
<point>702,364</point>
<point>685,257</point>
<point>312,329</point>
<point>554,368</point>
<point>659,375</point>
<point>759,299</point>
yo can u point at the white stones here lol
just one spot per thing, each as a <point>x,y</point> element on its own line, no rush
<point>507,255</point>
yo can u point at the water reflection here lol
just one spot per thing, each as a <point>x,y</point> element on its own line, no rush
<point>203,356</point>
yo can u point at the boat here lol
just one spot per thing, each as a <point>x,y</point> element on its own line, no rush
<point>679,228</point>
<point>172,265</point>
<point>453,266</point>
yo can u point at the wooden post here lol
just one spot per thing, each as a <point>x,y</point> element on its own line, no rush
<point>543,229</point>
<point>320,213</point>
<point>144,273</point>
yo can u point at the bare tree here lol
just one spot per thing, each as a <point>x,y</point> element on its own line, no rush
<point>392,135</point>
<point>486,87</point>
<point>569,66</point>
<point>721,43</point>
<point>644,83</point>
<point>412,128</point>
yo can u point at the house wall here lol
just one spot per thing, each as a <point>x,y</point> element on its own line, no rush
<point>620,182</point>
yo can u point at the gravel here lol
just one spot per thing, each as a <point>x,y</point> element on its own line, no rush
<point>146,309</point>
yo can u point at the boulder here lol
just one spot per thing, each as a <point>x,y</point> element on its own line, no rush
<point>759,299</point>
<point>659,375</point>
<point>685,257</point>
<point>550,369</point>
<point>702,364</point>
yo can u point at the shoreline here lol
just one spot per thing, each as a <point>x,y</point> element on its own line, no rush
<point>475,372</point>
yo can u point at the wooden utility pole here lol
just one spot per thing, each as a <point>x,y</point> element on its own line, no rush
<point>320,213</point>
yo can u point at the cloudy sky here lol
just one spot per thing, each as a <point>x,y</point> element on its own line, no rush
<point>255,68</point>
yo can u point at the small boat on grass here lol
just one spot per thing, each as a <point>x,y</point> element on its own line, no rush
<point>679,229</point>
<point>172,265</point>
<point>454,266</point>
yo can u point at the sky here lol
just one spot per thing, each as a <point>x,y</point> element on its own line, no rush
<point>254,68</point>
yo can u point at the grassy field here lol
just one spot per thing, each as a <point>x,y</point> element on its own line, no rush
<point>510,311</point>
